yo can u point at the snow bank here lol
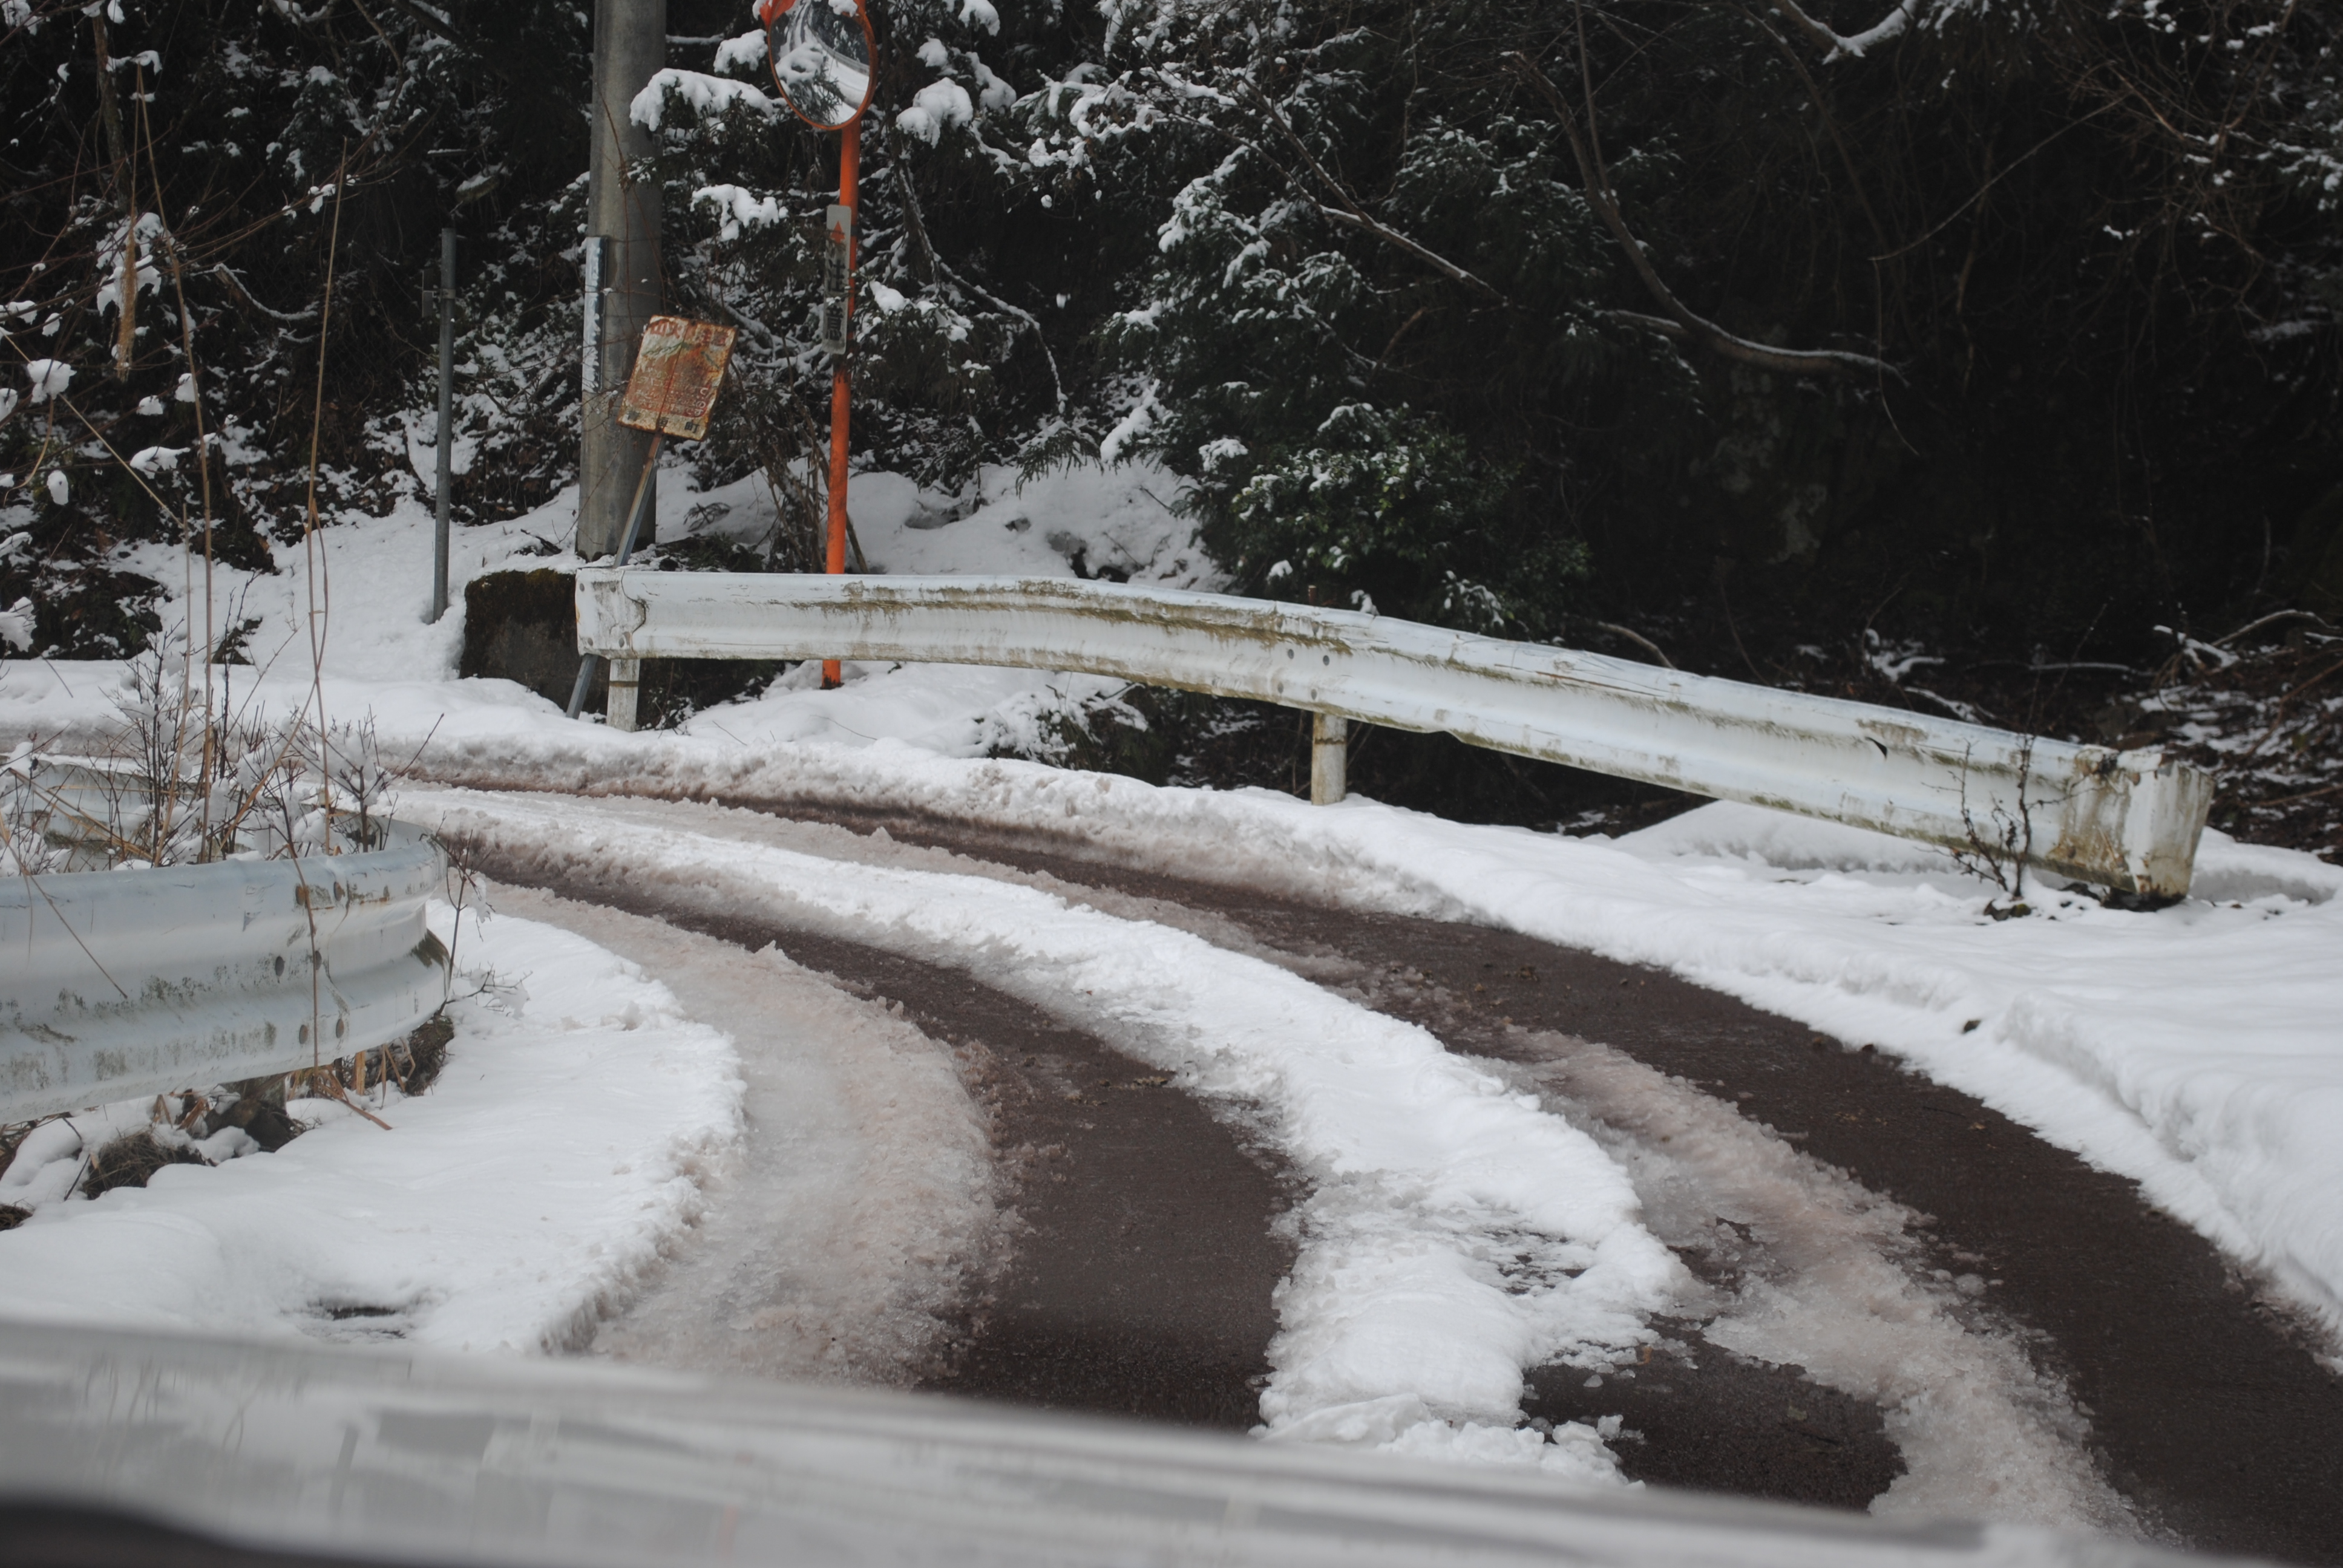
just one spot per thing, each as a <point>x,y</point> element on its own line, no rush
<point>561,1147</point>
<point>1456,1234</point>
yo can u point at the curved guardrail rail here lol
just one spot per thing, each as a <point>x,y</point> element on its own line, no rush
<point>115,984</point>
<point>391,1456</point>
<point>2125,820</point>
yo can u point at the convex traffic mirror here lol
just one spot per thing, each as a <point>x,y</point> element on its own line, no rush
<point>821,53</point>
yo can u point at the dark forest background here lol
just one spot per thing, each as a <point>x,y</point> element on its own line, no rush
<point>1978,357</point>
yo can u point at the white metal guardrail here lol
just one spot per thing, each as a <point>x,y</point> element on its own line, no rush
<point>2125,820</point>
<point>388,1455</point>
<point>116,984</point>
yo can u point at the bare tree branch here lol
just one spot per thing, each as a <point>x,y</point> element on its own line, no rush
<point>1680,320</point>
<point>1830,121</point>
<point>1979,195</point>
<point>1637,637</point>
<point>426,19</point>
<point>1430,258</point>
<point>1356,217</point>
<point>1892,26</point>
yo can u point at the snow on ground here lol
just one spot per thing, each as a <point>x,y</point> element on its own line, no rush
<point>1455,1234</point>
<point>854,1216</point>
<point>371,586</point>
<point>1102,522</point>
<point>505,1209</point>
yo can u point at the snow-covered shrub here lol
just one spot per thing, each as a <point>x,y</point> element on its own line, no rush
<point>184,778</point>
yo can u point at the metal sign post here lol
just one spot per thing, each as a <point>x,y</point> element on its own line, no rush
<point>678,369</point>
<point>841,315</point>
<point>444,477</point>
<point>821,53</point>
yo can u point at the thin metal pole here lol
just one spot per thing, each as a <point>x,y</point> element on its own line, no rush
<point>850,168</point>
<point>447,421</point>
<point>587,666</point>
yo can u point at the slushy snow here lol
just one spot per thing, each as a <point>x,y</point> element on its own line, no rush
<point>854,1217</point>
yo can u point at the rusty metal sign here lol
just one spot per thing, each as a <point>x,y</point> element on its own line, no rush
<point>678,372</point>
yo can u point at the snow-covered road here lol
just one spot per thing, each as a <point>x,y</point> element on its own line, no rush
<point>1455,1233</point>
<point>1414,1308</point>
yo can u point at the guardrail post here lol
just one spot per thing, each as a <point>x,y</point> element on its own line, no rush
<point>1330,755</point>
<point>625,681</point>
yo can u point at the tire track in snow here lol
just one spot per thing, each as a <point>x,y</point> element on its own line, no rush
<point>843,1235</point>
<point>2203,1404</point>
<point>1814,1272</point>
<point>1132,1277</point>
<point>1453,1233</point>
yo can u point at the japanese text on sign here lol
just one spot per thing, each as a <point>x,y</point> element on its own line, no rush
<point>678,372</point>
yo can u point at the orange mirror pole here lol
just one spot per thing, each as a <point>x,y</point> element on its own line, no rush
<point>849,164</point>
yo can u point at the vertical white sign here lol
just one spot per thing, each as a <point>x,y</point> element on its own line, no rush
<point>598,268</point>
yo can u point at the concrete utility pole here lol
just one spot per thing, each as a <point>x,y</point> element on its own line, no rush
<point>622,268</point>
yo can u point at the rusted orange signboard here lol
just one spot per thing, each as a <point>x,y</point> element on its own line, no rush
<point>677,373</point>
